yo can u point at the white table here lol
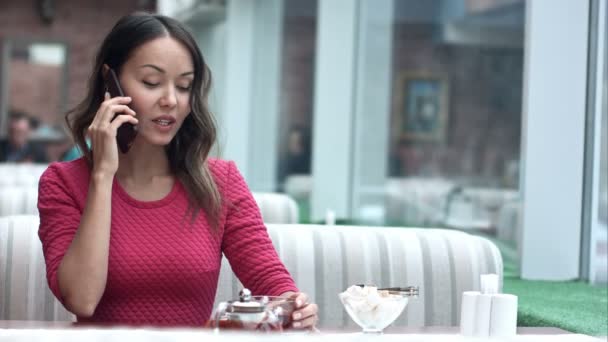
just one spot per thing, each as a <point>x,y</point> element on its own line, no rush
<point>21,331</point>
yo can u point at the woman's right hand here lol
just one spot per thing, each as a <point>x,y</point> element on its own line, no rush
<point>102,133</point>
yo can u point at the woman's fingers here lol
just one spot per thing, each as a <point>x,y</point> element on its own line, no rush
<point>301,300</point>
<point>305,312</point>
<point>121,119</point>
<point>305,316</point>
<point>108,115</point>
<point>306,323</point>
<point>108,110</point>
<point>121,109</point>
<point>111,107</point>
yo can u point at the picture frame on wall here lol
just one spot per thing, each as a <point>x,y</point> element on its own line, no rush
<point>422,106</point>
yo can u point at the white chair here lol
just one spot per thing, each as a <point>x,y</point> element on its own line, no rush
<point>276,208</point>
<point>481,208</point>
<point>508,226</point>
<point>18,200</point>
<point>298,186</point>
<point>416,200</point>
<point>20,174</point>
<point>24,291</point>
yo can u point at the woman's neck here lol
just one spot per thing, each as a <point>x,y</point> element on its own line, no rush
<point>142,164</point>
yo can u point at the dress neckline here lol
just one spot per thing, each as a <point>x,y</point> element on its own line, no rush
<point>124,195</point>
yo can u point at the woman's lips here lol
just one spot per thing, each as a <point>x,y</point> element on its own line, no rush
<point>163,125</point>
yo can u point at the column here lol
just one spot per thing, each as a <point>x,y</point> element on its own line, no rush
<point>239,79</point>
<point>553,138</point>
<point>249,124</point>
<point>373,106</point>
<point>264,133</point>
<point>335,66</point>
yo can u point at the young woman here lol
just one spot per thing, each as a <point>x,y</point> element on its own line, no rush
<point>137,237</point>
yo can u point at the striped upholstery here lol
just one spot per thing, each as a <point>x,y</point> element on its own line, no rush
<point>276,208</point>
<point>18,200</point>
<point>19,188</point>
<point>24,293</point>
<point>20,174</point>
<point>324,260</point>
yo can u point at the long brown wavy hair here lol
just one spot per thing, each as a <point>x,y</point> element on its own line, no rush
<point>189,149</point>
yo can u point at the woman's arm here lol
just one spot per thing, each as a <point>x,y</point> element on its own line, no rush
<point>83,271</point>
<point>246,244</point>
<point>252,256</point>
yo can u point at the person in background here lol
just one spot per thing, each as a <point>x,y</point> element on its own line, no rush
<point>137,238</point>
<point>298,151</point>
<point>296,160</point>
<point>18,148</point>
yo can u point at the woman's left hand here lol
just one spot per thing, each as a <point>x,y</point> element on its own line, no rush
<point>305,315</point>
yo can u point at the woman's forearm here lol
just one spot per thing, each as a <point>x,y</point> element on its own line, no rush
<point>82,273</point>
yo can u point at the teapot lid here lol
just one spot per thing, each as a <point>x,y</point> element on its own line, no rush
<point>245,304</point>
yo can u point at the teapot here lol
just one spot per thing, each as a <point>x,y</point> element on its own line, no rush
<point>256,313</point>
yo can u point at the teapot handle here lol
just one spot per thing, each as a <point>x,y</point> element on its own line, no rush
<point>219,313</point>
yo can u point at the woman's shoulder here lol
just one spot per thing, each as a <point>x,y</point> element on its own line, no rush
<point>220,168</point>
<point>76,170</point>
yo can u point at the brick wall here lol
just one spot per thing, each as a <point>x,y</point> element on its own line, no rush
<point>35,89</point>
<point>80,25</point>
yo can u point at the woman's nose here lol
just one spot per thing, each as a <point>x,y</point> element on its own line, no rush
<point>169,98</point>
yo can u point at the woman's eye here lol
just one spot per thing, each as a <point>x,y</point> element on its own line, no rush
<point>187,88</point>
<point>149,84</point>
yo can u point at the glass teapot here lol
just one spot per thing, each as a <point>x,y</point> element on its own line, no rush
<point>257,313</point>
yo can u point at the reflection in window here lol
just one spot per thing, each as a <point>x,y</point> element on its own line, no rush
<point>454,151</point>
<point>296,100</point>
<point>36,79</point>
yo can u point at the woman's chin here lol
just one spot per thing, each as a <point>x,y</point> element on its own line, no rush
<point>154,140</point>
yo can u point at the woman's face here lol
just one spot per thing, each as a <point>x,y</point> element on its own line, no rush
<point>158,77</point>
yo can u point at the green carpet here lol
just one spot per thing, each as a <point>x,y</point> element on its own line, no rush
<point>574,306</point>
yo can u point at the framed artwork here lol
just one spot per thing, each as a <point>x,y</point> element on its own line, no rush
<point>422,107</point>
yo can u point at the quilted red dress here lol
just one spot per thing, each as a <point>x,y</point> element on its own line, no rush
<point>161,269</point>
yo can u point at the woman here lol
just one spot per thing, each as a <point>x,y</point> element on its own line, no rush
<point>137,237</point>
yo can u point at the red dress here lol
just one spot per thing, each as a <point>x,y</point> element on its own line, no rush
<point>161,269</point>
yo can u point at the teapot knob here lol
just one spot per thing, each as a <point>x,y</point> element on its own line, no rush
<point>245,295</point>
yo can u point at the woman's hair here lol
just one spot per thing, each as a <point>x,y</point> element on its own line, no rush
<point>189,149</point>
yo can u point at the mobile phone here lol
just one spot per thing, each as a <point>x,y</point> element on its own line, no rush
<point>126,133</point>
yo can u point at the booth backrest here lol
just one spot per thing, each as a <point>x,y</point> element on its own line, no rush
<point>22,200</point>
<point>276,207</point>
<point>324,260</point>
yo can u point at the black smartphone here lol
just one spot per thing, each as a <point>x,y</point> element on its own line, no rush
<point>126,132</point>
